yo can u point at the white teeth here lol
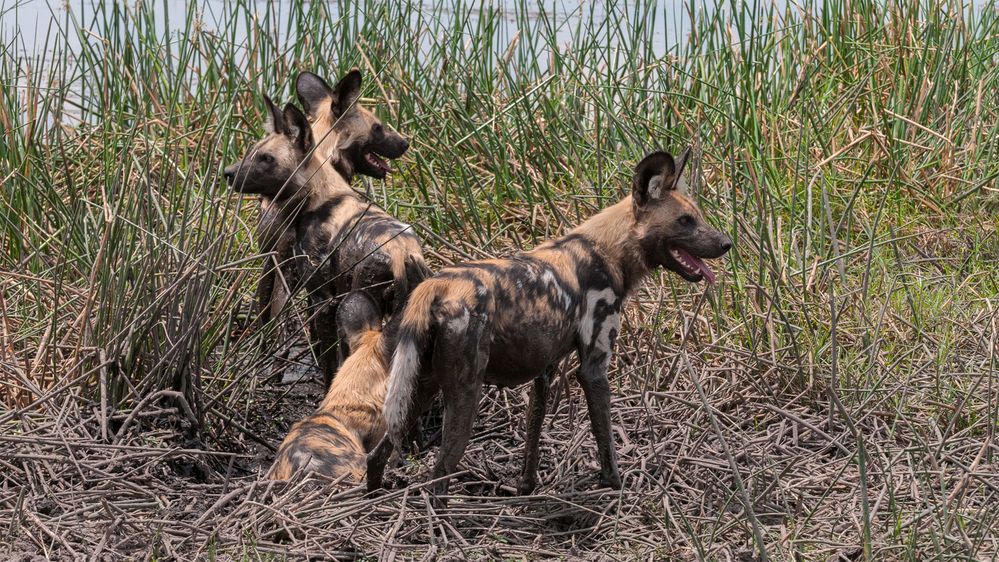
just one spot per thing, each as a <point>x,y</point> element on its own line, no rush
<point>376,161</point>
<point>681,261</point>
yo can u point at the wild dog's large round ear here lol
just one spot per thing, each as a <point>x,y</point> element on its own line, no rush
<point>297,127</point>
<point>313,92</point>
<point>654,175</point>
<point>347,90</point>
<point>274,120</point>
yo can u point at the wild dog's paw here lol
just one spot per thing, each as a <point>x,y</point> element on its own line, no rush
<point>612,481</point>
<point>526,486</point>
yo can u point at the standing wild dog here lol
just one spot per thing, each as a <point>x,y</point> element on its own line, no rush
<point>344,241</point>
<point>341,241</point>
<point>354,142</point>
<point>509,321</point>
<point>334,441</point>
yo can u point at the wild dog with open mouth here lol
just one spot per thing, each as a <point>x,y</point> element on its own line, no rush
<point>349,136</point>
<point>335,440</point>
<point>346,238</point>
<point>509,321</point>
<point>341,241</point>
<point>354,142</point>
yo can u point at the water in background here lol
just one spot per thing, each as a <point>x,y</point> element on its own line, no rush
<point>28,26</point>
<point>38,34</point>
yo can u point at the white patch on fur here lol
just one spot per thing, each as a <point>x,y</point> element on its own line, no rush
<point>549,278</point>
<point>401,388</point>
<point>601,340</point>
<point>460,323</point>
<point>656,187</point>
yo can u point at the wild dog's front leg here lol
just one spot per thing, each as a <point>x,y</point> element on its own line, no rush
<point>265,291</point>
<point>592,376</point>
<point>324,332</point>
<point>284,284</point>
<point>535,419</point>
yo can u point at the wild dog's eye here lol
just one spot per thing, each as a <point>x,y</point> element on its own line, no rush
<point>377,129</point>
<point>686,220</point>
<point>265,158</point>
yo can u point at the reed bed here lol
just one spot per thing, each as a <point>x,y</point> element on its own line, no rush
<point>834,396</point>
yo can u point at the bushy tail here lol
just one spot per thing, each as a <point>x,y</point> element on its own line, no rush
<point>404,374</point>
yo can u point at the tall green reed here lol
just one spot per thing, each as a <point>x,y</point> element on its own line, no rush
<point>829,135</point>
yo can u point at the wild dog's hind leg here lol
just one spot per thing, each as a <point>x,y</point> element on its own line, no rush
<point>460,357</point>
<point>535,419</point>
<point>379,456</point>
<point>377,459</point>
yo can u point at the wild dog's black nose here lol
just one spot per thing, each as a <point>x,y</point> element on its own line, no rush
<point>404,144</point>
<point>726,245</point>
<point>229,173</point>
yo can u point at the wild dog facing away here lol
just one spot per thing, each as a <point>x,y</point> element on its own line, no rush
<point>333,442</point>
<point>509,321</point>
<point>341,241</point>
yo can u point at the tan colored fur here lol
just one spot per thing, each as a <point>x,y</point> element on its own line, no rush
<point>351,411</point>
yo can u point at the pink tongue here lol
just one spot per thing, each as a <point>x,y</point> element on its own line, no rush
<point>709,275</point>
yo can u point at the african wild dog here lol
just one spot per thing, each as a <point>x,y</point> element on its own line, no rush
<point>358,144</point>
<point>341,242</point>
<point>509,321</point>
<point>344,238</point>
<point>334,441</point>
<point>348,136</point>
<point>267,170</point>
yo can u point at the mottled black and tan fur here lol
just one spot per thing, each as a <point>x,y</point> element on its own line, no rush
<point>344,241</point>
<point>354,142</point>
<point>334,441</point>
<point>269,170</point>
<point>340,241</point>
<point>509,321</point>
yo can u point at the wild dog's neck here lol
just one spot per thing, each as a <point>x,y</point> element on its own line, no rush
<point>344,168</point>
<point>612,232</point>
<point>328,152</point>
<point>320,183</point>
